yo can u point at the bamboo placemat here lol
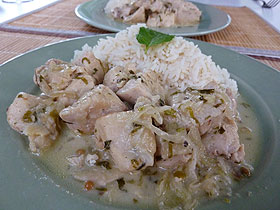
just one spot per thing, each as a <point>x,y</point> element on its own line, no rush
<point>14,44</point>
<point>246,29</point>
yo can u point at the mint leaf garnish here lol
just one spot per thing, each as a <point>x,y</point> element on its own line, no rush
<point>150,37</point>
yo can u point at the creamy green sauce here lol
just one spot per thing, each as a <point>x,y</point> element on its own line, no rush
<point>141,189</point>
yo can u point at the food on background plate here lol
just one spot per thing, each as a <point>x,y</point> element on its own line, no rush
<point>141,115</point>
<point>155,13</point>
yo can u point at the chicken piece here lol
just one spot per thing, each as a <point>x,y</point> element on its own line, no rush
<point>112,4</point>
<point>17,110</point>
<point>98,102</point>
<point>156,6</point>
<point>64,81</point>
<point>132,146</point>
<point>144,3</point>
<point>92,65</point>
<point>205,107</point>
<point>36,118</point>
<point>122,12</point>
<point>132,90</point>
<point>100,177</point>
<point>161,20</point>
<point>187,13</point>
<point>224,141</point>
<point>118,76</point>
<point>137,17</point>
<point>153,20</point>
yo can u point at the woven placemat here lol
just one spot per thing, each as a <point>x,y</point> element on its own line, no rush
<point>14,44</point>
<point>246,29</point>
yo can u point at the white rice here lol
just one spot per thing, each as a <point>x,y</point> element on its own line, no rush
<point>179,63</point>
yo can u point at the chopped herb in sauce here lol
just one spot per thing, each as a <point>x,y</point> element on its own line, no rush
<point>105,164</point>
<point>179,174</point>
<point>134,163</point>
<point>171,112</point>
<point>121,184</point>
<point>141,166</point>
<point>180,129</point>
<point>135,200</point>
<point>219,104</point>
<point>121,80</point>
<point>41,78</point>
<point>207,91</point>
<point>221,130</point>
<point>132,181</point>
<point>192,114</point>
<point>85,59</point>
<point>161,102</point>
<point>20,96</point>
<point>201,97</point>
<point>107,144</point>
<point>95,70</point>
<point>136,128</point>
<point>141,108</point>
<point>27,117</point>
<point>133,77</point>
<point>170,150</point>
<point>102,189</point>
<point>245,105</point>
<point>175,93</point>
<point>202,91</point>
<point>83,79</point>
<point>245,171</point>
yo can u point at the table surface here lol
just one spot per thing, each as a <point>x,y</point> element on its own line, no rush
<point>11,11</point>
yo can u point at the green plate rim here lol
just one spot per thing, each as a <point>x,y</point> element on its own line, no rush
<point>80,12</point>
<point>269,183</point>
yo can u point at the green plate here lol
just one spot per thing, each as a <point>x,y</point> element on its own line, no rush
<point>212,20</point>
<point>27,184</point>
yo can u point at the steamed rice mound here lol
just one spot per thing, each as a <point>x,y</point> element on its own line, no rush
<point>179,63</point>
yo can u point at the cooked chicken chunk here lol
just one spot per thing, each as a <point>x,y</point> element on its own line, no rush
<point>187,13</point>
<point>63,80</point>
<point>98,102</point>
<point>132,146</point>
<point>132,90</point>
<point>91,64</point>
<point>137,17</point>
<point>156,13</point>
<point>162,20</point>
<point>224,141</point>
<point>36,118</point>
<point>18,109</point>
<point>118,76</point>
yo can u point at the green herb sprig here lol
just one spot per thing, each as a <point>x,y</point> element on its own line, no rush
<point>150,37</point>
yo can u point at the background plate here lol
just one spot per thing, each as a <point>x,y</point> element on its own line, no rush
<point>27,184</point>
<point>212,19</point>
